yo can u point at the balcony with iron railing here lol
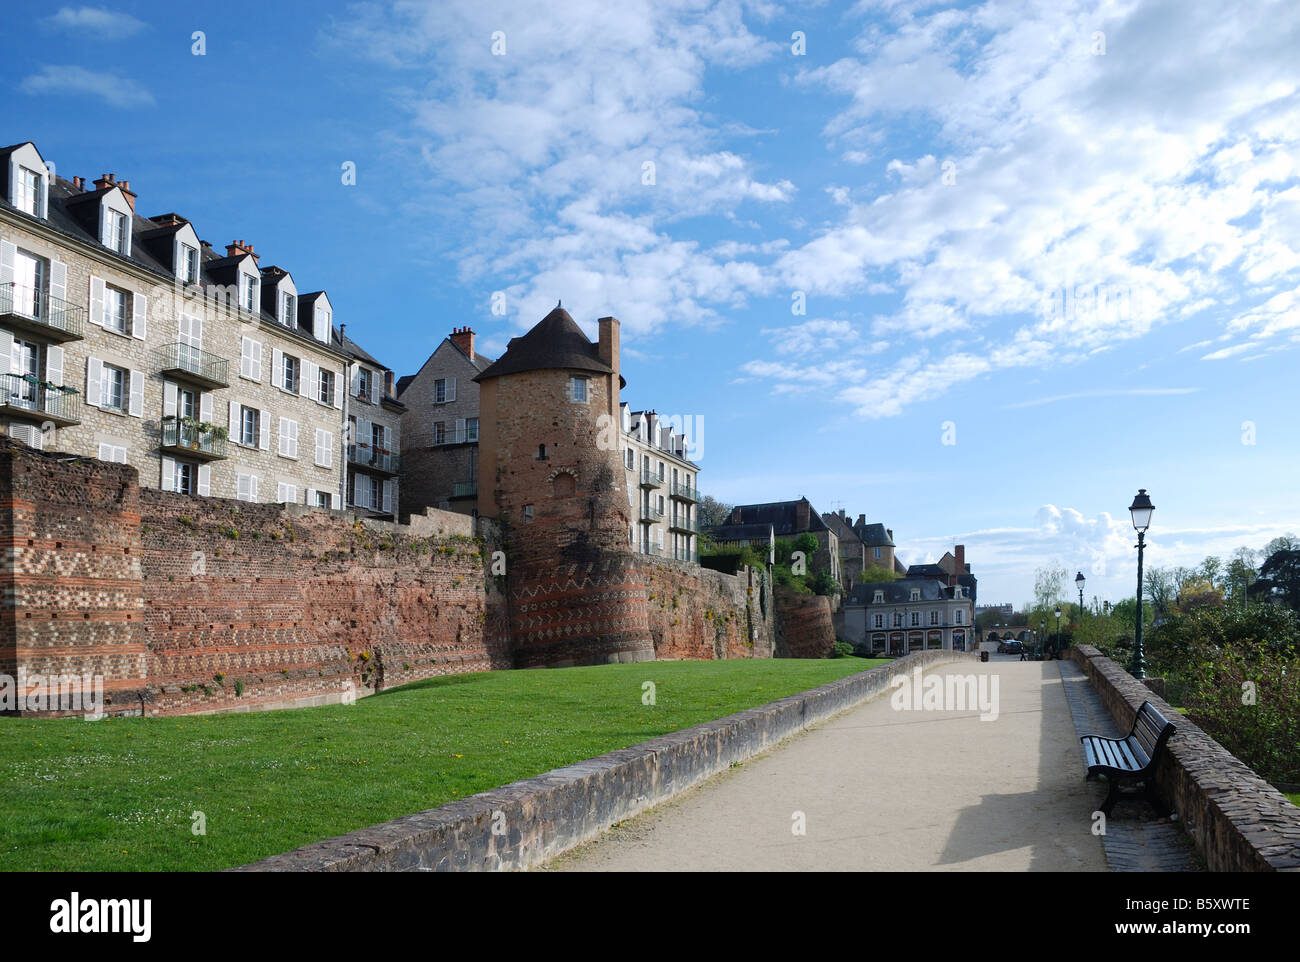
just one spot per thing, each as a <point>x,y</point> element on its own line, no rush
<point>23,395</point>
<point>651,515</point>
<point>651,549</point>
<point>464,489</point>
<point>651,480</point>
<point>375,459</point>
<point>681,554</point>
<point>463,436</point>
<point>192,439</point>
<point>183,362</point>
<point>36,312</point>
<point>683,523</point>
<point>684,492</point>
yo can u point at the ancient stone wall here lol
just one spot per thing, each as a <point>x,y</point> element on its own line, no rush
<point>703,614</point>
<point>804,626</point>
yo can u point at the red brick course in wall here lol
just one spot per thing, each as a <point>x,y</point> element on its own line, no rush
<point>205,604</point>
<point>700,614</point>
<point>803,625</point>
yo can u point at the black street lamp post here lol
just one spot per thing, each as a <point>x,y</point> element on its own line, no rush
<point>1078,583</point>
<point>1056,642</point>
<point>1141,510</point>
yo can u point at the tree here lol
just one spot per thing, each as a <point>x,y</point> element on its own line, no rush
<point>1160,588</point>
<point>711,512</point>
<point>876,573</point>
<point>1280,575</point>
<point>1287,542</point>
<point>1211,570</point>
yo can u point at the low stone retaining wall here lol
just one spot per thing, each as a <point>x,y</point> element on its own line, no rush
<point>1239,822</point>
<point>529,822</point>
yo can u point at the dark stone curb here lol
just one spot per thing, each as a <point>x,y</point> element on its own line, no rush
<point>1239,822</point>
<point>529,822</point>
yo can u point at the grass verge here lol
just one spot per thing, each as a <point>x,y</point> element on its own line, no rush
<point>123,794</point>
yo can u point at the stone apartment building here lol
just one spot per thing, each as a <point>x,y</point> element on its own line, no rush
<point>129,339</point>
<point>911,614</point>
<point>952,569</point>
<point>442,446</point>
<point>374,432</point>
<point>663,482</point>
<point>440,424</point>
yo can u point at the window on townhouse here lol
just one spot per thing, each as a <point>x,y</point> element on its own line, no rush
<point>113,388</point>
<point>325,387</point>
<point>322,499</point>
<point>288,309</point>
<point>661,471</point>
<point>187,405</point>
<point>578,389</point>
<point>631,459</point>
<point>898,619</point>
<point>292,369</point>
<point>957,617</point>
<point>916,619</point>
<point>934,617</point>
<point>189,266</point>
<point>250,295</point>
<point>29,190</point>
<point>117,310</point>
<point>444,390</point>
<point>877,551</point>
<point>118,231</point>
<point>184,480</point>
<point>471,429</point>
<point>528,514</point>
<point>440,432</point>
<point>916,594</point>
<point>880,621</point>
<point>248,427</point>
<point>879,598</point>
<point>365,383</point>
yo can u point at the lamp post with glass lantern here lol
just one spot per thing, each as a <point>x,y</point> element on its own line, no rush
<point>1056,642</point>
<point>1140,510</point>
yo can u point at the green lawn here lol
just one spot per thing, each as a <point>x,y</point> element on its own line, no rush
<point>119,794</point>
<point>1295,798</point>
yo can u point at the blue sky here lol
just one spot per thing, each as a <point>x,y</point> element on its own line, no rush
<point>927,176</point>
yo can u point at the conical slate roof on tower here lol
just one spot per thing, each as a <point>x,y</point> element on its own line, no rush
<point>556,342</point>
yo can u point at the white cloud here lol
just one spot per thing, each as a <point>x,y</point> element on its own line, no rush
<point>114,90</point>
<point>103,24</point>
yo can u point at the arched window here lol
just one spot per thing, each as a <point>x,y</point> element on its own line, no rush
<point>541,452</point>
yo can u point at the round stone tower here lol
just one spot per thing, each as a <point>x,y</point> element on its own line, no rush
<point>550,472</point>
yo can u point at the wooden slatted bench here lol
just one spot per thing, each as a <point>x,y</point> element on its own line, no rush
<point>1132,758</point>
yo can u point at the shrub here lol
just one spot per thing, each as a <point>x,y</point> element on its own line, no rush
<point>842,649</point>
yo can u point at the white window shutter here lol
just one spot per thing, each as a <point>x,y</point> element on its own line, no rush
<point>460,429</point>
<point>7,353</point>
<point>311,497</point>
<point>168,474</point>
<point>246,357</point>
<point>136,409</point>
<point>293,439</point>
<point>139,316</point>
<point>388,497</point>
<point>96,300</point>
<point>307,379</point>
<point>264,426</point>
<point>94,377</point>
<point>205,407</point>
<point>59,280</point>
<point>283,437</point>
<point>205,480</point>
<point>241,487</point>
<point>451,389</point>
<point>8,251</point>
<point>338,390</point>
<point>252,487</point>
<point>257,361</point>
<point>232,429</point>
<point>356,382</point>
<point>169,399</point>
<point>277,367</point>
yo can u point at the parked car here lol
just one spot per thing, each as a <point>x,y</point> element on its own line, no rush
<point>1012,647</point>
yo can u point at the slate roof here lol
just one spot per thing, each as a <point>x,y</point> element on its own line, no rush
<point>900,592</point>
<point>842,527</point>
<point>556,342</point>
<point>742,532</point>
<point>781,515</point>
<point>874,535</point>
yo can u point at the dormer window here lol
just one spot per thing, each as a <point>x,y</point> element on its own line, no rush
<point>916,594</point>
<point>879,598</point>
<point>117,235</point>
<point>29,192</point>
<point>188,268</point>
<point>250,294</point>
<point>288,309</point>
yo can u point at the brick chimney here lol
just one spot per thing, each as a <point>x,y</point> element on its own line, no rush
<point>959,553</point>
<point>237,248</point>
<point>79,183</point>
<point>862,519</point>
<point>609,352</point>
<point>388,384</point>
<point>801,514</point>
<point>463,338</point>
<point>110,180</point>
<point>889,532</point>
